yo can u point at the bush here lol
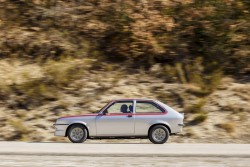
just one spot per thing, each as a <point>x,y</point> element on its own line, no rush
<point>199,119</point>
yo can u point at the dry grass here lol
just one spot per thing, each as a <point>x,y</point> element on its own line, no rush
<point>229,127</point>
<point>18,125</point>
<point>37,88</point>
<point>190,133</point>
<point>21,131</point>
<point>170,73</point>
<point>197,91</point>
<point>34,84</point>
<point>62,73</point>
<point>21,114</point>
<point>196,108</point>
<point>199,119</point>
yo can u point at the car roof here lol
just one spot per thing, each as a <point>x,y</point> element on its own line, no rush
<point>134,99</point>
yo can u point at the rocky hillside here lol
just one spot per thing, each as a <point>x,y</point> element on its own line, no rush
<point>62,58</point>
<point>33,102</point>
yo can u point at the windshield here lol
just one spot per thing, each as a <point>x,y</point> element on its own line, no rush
<point>104,107</point>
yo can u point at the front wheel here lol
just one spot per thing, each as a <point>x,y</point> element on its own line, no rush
<point>77,133</point>
<point>158,134</point>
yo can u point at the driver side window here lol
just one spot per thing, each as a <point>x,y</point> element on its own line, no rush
<point>121,107</point>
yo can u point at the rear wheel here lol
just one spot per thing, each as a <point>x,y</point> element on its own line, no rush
<point>158,134</point>
<point>77,133</point>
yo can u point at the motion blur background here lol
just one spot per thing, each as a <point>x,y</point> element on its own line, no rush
<point>62,58</point>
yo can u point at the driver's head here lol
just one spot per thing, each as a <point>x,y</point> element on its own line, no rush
<point>124,108</point>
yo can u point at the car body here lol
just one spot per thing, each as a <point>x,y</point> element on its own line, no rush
<point>123,118</point>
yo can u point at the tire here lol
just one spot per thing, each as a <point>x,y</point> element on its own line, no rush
<point>77,133</point>
<point>158,134</point>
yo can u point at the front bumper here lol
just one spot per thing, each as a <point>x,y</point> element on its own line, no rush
<point>60,129</point>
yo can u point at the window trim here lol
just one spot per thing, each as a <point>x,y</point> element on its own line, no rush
<point>134,109</point>
<point>118,114</point>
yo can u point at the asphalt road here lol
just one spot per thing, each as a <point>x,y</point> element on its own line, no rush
<point>123,154</point>
<point>124,149</point>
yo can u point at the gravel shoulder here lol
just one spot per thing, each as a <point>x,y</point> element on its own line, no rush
<point>56,161</point>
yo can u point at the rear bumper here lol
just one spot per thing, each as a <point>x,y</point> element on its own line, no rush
<point>60,129</point>
<point>181,124</point>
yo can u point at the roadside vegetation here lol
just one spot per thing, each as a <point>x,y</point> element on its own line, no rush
<point>66,57</point>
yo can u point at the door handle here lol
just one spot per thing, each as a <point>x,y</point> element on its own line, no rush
<point>129,115</point>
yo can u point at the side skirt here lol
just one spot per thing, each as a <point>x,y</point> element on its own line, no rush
<point>124,137</point>
<point>118,137</point>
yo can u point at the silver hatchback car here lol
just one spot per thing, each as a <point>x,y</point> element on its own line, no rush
<point>123,118</point>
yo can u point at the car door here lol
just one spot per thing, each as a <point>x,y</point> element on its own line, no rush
<point>117,119</point>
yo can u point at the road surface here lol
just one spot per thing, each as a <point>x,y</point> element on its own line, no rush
<point>112,154</point>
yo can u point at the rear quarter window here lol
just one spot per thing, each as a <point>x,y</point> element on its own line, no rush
<point>148,107</point>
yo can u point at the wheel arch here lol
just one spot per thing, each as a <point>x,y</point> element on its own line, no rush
<point>77,123</point>
<point>167,126</point>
